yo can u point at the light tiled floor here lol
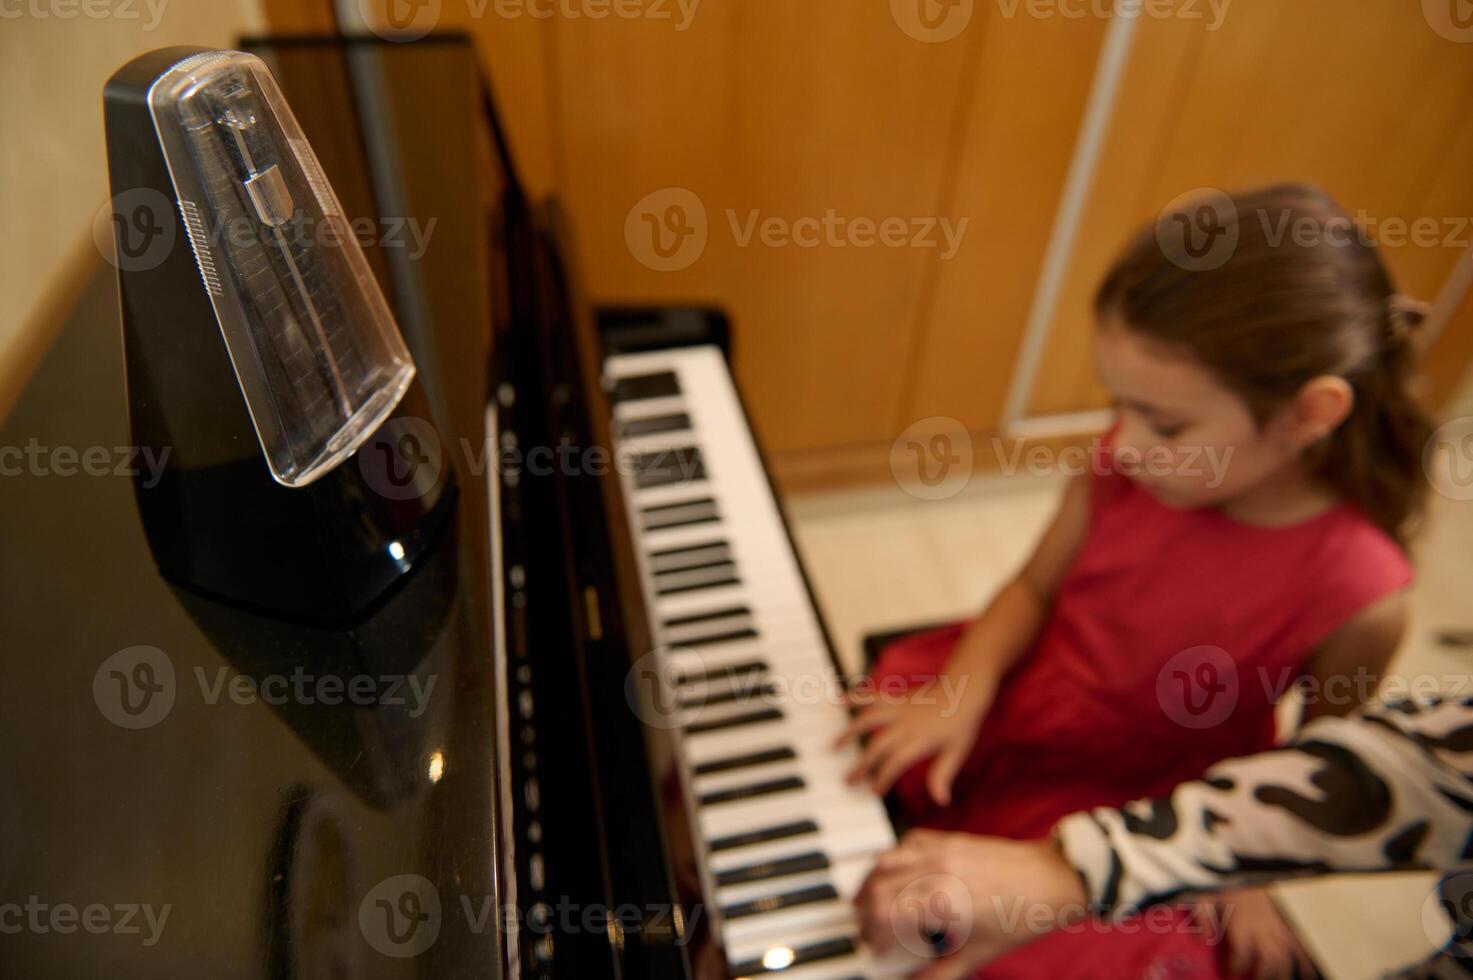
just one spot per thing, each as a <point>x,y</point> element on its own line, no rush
<point>881,559</point>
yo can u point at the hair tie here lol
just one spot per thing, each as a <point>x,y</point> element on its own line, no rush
<point>1404,317</point>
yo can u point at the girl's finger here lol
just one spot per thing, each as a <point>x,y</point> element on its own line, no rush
<point>866,721</point>
<point>943,772</point>
<point>963,963</point>
<point>871,755</point>
<point>1307,970</point>
<point>1273,964</point>
<point>908,857</point>
<point>877,909</point>
<point>924,837</point>
<point>897,760</point>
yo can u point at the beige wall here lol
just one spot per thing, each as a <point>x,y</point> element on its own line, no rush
<point>55,56</point>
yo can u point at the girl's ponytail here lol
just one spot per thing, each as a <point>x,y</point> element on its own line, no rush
<point>1374,460</point>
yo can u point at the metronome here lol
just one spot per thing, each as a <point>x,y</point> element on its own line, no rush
<point>264,366</point>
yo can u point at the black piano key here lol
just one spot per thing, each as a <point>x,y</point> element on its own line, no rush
<point>742,761</point>
<point>730,672</point>
<point>655,509</point>
<point>750,792</point>
<point>702,641</point>
<point>781,868</point>
<point>654,425</point>
<point>734,721</point>
<point>786,900</point>
<point>674,522</point>
<point>710,614</point>
<point>701,510</point>
<point>719,583</point>
<point>766,835</point>
<point>665,467</point>
<point>692,556</point>
<point>734,692</point>
<point>817,952</point>
<point>638,386</point>
<point>686,548</point>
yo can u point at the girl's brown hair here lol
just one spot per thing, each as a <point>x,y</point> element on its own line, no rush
<point>1274,287</point>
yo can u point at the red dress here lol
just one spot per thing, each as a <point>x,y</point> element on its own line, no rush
<point>1170,638</point>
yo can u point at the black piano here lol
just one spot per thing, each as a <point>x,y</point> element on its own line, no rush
<point>584,734</point>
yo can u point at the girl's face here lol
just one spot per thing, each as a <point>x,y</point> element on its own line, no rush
<point>1183,436</point>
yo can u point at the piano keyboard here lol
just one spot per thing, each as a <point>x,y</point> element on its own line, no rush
<point>745,676</point>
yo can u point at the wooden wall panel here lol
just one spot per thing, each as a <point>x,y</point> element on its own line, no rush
<point>1371,106</point>
<point>1026,98</point>
<point>515,53</point>
<point>790,110</point>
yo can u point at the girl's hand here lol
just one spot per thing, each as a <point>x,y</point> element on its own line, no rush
<point>912,726</point>
<point>985,895</point>
<point>1260,942</point>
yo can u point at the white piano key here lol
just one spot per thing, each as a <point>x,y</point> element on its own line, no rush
<point>769,949</point>
<point>836,838</point>
<point>828,802</point>
<point>850,823</point>
<point>645,408</point>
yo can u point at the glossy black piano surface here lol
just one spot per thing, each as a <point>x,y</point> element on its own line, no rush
<point>388,797</point>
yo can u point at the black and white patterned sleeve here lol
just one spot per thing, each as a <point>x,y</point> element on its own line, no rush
<point>1390,788</point>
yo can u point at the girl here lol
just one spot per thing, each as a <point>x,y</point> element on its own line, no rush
<point>1171,602</point>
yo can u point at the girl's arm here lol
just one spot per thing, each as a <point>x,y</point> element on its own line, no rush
<point>911,730</point>
<point>1343,673</point>
<point>1347,667</point>
<point>1011,621</point>
<point>1389,789</point>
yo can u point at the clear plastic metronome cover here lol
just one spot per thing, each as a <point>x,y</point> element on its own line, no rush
<point>314,345</point>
